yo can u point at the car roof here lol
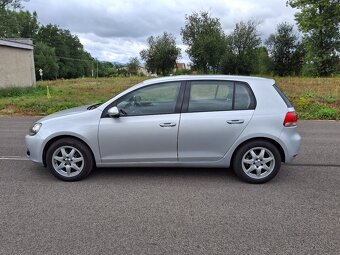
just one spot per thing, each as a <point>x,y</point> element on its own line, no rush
<point>248,79</point>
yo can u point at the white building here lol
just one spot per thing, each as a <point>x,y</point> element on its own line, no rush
<point>16,63</point>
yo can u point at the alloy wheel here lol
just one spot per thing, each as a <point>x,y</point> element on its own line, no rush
<point>258,162</point>
<point>68,161</point>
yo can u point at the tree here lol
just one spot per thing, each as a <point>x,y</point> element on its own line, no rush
<point>228,59</point>
<point>241,50</point>
<point>106,69</point>
<point>245,40</point>
<point>162,54</point>
<point>8,24</point>
<point>282,47</point>
<point>133,66</point>
<point>45,59</point>
<point>28,24</point>
<point>319,20</point>
<point>15,24</point>
<point>73,61</point>
<point>263,62</point>
<point>205,38</point>
<point>5,4</point>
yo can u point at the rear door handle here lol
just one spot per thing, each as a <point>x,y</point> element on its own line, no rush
<point>168,124</point>
<point>235,121</point>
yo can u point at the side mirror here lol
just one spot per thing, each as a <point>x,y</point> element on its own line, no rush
<point>113,112</point>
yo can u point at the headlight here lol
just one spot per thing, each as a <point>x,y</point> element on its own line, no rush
<point>35,129</point>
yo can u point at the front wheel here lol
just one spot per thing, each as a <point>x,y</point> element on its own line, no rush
<point>69,159</point>
<point>257,161</point>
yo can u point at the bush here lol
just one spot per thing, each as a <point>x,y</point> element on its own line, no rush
<point>330,99</point>
<point>326,113</point>
<point>19,91</point>
<point>303,103</point>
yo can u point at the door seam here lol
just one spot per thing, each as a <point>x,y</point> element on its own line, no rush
<point>179,124</point>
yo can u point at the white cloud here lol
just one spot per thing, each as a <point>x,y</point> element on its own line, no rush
<point>115,30</point>
<point>113,49</point>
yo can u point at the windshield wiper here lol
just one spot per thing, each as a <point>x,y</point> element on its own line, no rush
<point>94,106</point>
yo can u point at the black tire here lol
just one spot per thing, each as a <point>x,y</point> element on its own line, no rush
<point>81,163</point>
<point>262,171</point>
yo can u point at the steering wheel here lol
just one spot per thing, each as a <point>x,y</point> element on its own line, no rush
<point>133,106</point>
<point>136,101</point>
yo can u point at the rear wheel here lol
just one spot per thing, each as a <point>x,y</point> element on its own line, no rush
<point>257,161</point>
<point>69,159</point>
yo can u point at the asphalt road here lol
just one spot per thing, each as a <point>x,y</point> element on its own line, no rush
<point>172,211</point>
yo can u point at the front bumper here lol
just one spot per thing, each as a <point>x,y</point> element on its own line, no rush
<point>34,145</point>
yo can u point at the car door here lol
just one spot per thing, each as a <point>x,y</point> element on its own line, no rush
<point>214,115</point>
<point>147,128</point>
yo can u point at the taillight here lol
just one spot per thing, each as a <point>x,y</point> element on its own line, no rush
<point>290,119</point>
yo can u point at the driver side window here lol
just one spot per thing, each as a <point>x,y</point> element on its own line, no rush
<point>150,100</point>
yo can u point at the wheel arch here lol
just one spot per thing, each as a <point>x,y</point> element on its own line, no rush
<point>272,141</point>
<point>56,138</point>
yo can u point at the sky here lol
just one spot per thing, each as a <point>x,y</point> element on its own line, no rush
<point>117,30</point>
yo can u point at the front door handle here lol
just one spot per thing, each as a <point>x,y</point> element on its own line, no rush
<point>168,124</point>
<point>235,121</point>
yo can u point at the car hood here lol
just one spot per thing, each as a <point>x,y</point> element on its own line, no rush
<point>67,112</point>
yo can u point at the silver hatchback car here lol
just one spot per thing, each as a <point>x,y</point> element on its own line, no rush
<point>245,123</point>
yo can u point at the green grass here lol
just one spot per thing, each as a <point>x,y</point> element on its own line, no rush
<point>64,94</point>
<point>313,98</point>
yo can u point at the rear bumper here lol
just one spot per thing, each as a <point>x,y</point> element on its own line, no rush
<point>292,140</point>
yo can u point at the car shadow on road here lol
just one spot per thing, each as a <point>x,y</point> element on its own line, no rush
<point>150,172</point>
<point>164,173</point>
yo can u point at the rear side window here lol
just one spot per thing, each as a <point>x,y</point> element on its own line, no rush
<point>206,96</point>
<point>283,96</point>
<point>244,100</point>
